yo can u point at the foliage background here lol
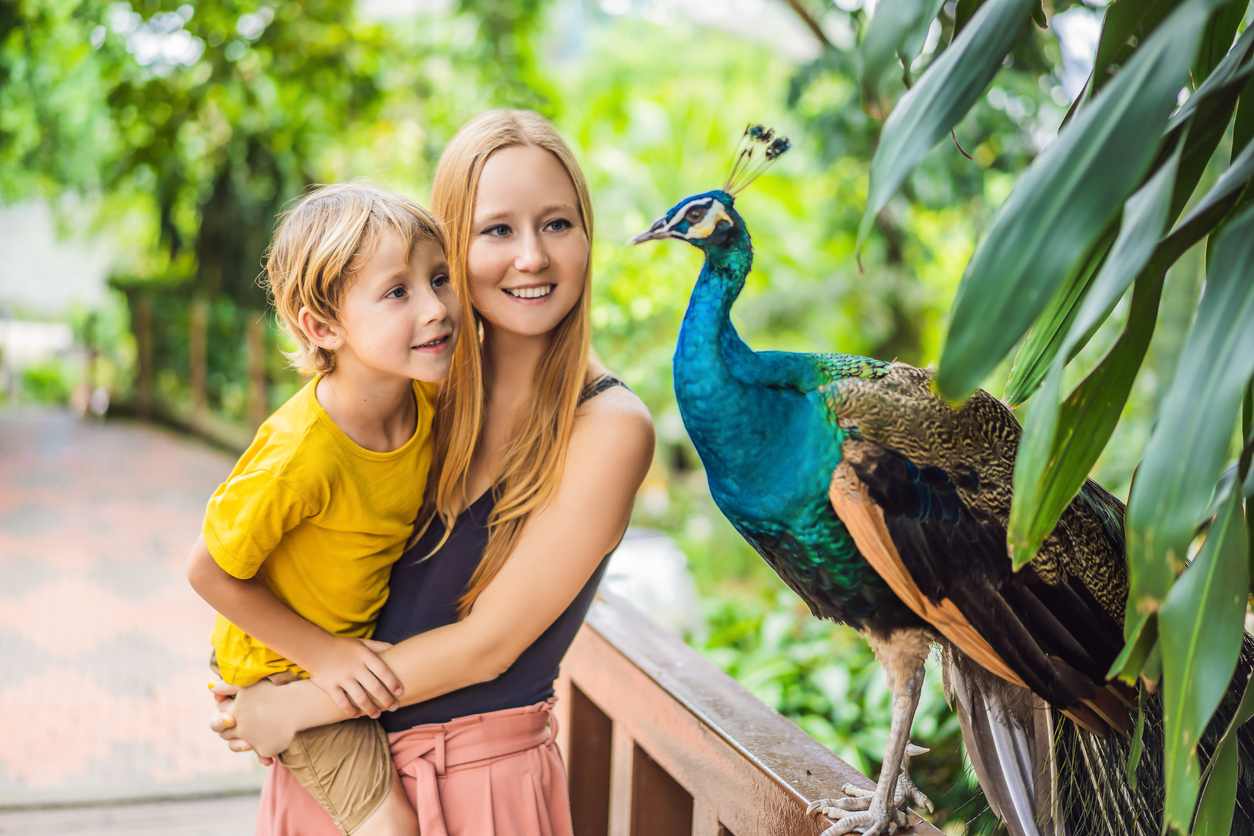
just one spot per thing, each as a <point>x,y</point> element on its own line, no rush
<point>186,127</point>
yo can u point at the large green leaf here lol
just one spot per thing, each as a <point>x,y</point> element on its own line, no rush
<point>941,97</point>
<point>896,23</point>
<point>1034,358</point>
<point>1127,23</point>
<point>1058,450</point>
<point>1187,450</point>
<point>1243,122</point>
<point>1064,201</point>
<point>1214,810</point>
<point>1218,39</point>
<point>1200,628</point>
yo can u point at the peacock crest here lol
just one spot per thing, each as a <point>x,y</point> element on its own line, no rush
<point>757,149</point>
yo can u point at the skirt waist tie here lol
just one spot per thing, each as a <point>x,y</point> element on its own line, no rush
<point>426,753</point>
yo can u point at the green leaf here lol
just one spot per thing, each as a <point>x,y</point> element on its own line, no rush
<point>1232,71</point>
<point>1127,23</point>
<point>1138,734</point>
<point>1044,485</point>
<point>963,14</point>
<point>1187,450</point>
<point>1206,215</point>
<point>1034,357</point>
<point>1063,202</point>
<point>1057,451</point>
<point>1243,123</point>
<point>1201,625</point>
<point>1214,810</point>
<point>941,97</point>
<point>1218,40</point>
<point>895,23</point>
<point>1142,641</point>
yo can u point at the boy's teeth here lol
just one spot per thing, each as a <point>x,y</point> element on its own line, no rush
<point>530,292</point>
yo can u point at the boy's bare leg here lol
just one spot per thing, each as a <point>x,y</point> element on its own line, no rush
<point>395,816</point>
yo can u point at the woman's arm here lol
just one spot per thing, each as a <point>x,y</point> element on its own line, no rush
<point>558,549</point>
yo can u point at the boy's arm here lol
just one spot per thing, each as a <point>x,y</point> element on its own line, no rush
<point>351,674</point>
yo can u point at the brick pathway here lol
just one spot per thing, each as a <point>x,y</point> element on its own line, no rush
<point>102,642</point>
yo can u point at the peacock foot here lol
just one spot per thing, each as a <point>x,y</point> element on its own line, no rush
<point>855,812</point>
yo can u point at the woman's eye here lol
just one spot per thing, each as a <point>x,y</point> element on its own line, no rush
<point>498,231</point>
<point>560,225</point>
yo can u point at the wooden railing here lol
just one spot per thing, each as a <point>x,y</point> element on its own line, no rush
<point>659,742</point>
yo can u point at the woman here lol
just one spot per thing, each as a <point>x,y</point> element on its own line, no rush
<point>539,455</point>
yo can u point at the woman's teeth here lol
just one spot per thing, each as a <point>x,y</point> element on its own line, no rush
<point>530,292</point>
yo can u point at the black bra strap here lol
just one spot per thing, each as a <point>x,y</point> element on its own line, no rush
<point>596,387</point>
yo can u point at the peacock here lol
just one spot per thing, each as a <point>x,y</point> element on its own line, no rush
<point>885,508</point>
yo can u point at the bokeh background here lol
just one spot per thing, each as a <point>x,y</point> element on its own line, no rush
<point>146,147</point>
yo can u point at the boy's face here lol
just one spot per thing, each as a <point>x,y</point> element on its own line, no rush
<point>400,317</point>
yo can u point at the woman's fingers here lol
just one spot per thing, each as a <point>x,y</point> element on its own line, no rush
<point>375,646</point>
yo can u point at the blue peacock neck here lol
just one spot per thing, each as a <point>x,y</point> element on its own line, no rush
<point>715,372</point>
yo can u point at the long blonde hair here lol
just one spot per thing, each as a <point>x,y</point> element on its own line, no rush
<point>535,458</point>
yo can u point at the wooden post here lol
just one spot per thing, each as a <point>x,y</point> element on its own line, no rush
<point>141,323</point>
<point>255,351</point>
<point>197,324</point>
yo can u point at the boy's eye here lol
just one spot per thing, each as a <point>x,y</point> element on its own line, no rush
<point>395,293</point>
<point>439,281</point>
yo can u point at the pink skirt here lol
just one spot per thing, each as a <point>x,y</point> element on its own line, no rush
<point>495,774</point>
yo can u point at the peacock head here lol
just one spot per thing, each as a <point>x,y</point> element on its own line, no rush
<point>710,221</point>
<point>705,220</point>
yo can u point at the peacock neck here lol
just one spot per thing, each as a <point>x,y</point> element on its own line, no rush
<point>717,376</point>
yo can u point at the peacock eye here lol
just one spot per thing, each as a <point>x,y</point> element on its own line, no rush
<point>694,214</point>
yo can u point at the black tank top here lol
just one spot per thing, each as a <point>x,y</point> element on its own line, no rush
<point>424,596</point>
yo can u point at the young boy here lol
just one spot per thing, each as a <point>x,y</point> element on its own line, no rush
<point>298,543</point>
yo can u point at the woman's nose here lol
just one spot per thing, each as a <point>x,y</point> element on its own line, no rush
<point>532,256</point>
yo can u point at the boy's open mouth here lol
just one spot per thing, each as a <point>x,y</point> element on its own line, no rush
<point>530,292</point>
<point>438,341</point>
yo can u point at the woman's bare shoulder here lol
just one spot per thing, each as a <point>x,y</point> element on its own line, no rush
<point>615,417</point>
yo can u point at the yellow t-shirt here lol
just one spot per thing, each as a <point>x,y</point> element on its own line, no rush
<point>320,519</point>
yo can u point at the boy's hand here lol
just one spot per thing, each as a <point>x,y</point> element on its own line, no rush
<point>354,676</point>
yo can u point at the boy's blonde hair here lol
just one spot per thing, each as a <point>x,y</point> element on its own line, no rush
<point>319,246</point>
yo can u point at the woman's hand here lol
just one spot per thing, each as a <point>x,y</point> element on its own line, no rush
<point>253,720</point>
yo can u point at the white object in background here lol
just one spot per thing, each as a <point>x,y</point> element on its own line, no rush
<point>651,573</point>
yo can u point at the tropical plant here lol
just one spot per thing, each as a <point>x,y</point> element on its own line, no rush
<point>1097,213</point>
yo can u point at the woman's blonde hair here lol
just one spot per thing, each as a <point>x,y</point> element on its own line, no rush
<point>319,246</point>
<point>535,458</point>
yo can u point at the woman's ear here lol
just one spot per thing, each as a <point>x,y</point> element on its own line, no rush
<point>326,335</point>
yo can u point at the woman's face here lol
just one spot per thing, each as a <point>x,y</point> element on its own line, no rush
<point>528,255</point>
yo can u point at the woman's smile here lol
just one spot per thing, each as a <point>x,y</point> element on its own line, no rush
<point>531,294</point>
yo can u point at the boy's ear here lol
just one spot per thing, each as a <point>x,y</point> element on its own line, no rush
<point>322,334</point>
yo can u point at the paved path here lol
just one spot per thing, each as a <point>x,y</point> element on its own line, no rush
<point>102,642</point>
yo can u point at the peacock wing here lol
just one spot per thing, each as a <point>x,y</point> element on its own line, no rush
<point>924,489</point>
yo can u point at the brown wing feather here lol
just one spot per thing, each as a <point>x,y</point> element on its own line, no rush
<point>865,521</point>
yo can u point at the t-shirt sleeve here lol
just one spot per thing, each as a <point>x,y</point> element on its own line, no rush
<point>247,517</point>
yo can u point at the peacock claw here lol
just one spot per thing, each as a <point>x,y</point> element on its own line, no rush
<point>853,813</point>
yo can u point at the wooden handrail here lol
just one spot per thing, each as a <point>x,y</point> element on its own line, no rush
<point>659,742</point>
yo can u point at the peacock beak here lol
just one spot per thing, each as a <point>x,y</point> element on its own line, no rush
<point>654,233</point>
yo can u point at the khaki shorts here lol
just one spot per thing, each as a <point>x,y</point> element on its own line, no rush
<point>345,766</point>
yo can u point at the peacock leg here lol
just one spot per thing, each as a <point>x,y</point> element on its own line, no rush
<point>902,654</point>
